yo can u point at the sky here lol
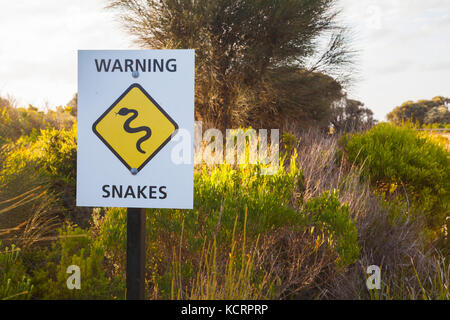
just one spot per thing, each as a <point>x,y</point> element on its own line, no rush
<point>403,48</point>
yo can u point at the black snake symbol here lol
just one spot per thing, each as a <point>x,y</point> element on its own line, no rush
<point>127,128</point>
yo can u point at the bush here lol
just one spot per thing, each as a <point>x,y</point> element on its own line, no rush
<point>213,247</point>
<point>16,122</point>
<point>14,282</point>
<point>223,193</point>
<point>75,247</point>
<point>234,208</point>
<point>51,152</point>
<point>230,202</point>
<point>110,235</point>
<point>44,160</point>
<point>333,218</point>
<point>401,161</point>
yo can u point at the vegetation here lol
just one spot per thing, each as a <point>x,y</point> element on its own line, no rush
<point>307,232</point>
<point>15,122</point>
<point>426,112</point>
<point>14,283</point>
<point>399,161</point>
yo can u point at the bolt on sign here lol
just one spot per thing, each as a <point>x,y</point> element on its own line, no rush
<point>135,128</point>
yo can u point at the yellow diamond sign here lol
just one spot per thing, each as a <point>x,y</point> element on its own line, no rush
<point>135,128</point>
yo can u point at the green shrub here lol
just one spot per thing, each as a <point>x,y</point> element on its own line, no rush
<point>228,201</point>
<point>14,282</point>
<point>51,152</point>
<point>111,237</point>
<point>223,193</point>
<point>223,197</point>
<point>333,218</point>
<point>45,161</point>
<point>404,160</point>
<point>75,247</point>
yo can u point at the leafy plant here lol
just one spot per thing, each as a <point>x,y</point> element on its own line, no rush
<point>51,152</point>
<point>333,218</point>
<point>75,247</point>
<point>14,282</point>
<point>400,161</point>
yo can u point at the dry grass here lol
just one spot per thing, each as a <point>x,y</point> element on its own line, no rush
<point>42,226</point>
<point>41,223</point>
<point>229,276</point>
<point>392,245</point>
<point>299,262</point>
<point>29,211</point>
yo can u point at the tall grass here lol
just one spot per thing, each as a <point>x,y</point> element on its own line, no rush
<point>233,278</point>
<point>410,285</point>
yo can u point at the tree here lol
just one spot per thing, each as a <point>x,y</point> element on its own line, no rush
<point>248,52</point>
<point>351,115</point>
<point>17,121</point>
<point>438,115</point>
<point>422,111</point>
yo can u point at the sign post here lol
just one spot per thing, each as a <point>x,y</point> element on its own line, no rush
<point>135,254</point>
<point>135,139</point>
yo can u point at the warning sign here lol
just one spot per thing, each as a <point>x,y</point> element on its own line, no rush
<point>135,128</point>
<point>135,123</point>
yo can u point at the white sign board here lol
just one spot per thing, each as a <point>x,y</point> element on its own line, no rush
<point>135,128</point>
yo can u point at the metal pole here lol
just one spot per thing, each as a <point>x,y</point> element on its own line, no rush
<point>135,254</point>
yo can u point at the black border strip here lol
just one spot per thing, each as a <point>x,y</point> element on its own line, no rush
<point>286,309</point>
<point>134,85</point>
